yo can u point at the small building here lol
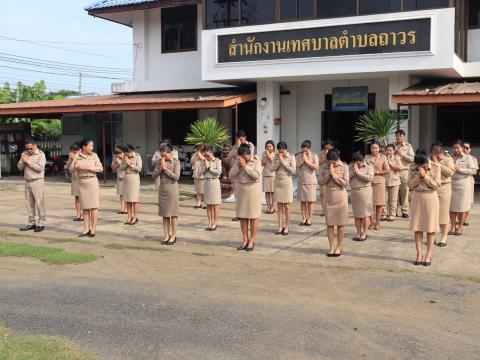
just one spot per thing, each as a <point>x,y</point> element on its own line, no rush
<point>283,70</point>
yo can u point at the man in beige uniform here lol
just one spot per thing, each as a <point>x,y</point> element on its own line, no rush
<point>406,153</point>
<point>32,163</point>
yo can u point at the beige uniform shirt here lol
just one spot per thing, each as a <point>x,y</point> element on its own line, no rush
<point>305,174</point>
<point>250,174</point>
<point>171,174</point>
<point>466,167</point>
<point>406,155</point>
<point>339,180</point>
<point>34,168</point>
<point>88,165</point>
<point>431,182</point>
<point>393,177</point>
<point>447,169</point>
<point>195,160</point>
<point>157,156</point>
<point>287,170</point>
<point>379,163</point>
<point>214,170</point>
<point>363,178</point>
<point>134,168</point>
<point>120,173</point>
<point>268,167</point>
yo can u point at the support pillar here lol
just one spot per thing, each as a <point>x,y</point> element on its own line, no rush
<point>268,109</point>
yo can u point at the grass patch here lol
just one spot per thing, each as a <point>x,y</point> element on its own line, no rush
<point>474,279</point>
<point>48,255</point>
<point>117,246</point>
<point>40,348</point>
<point>51,240</point>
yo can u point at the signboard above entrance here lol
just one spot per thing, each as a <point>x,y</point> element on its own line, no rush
<point>401,36</point>
<point>350,98</point>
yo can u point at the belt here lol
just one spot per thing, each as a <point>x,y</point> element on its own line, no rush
<point>336,189</point>
<point>87,177</point>
<point>424,191</point>
<point>32,180</point>
<point>361,187</point>
<point>210,179</point>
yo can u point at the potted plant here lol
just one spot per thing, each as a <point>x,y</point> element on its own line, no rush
<point>377,125</point>
<point>207,131</point>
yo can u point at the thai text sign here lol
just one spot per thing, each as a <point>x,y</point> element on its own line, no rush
<point>358,39</point>
<point>350,98</point>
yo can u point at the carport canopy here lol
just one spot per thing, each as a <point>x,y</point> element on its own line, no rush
<point>439,93</point>
<point>185,100</point>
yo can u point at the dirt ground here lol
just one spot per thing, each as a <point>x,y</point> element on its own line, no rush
<point>202,299</point>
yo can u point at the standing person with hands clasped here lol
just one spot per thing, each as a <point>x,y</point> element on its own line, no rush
<point>132,166</point>
<point>246,172</point>
<point>117,161</point>
<point>327,146</point>
<point>198,182</point>
<point>444,192</point>
<point>423,181</point>
<point>381,168</point>
<point>210,169</point>
<point>88,165</point>
<point>284,167</point>
<point>74,149</point>
<point>406,153</point>
<point>467,148</point>
<point>167,169</point>
<point>268,176</point>
<point>361,176</point>
<point>307,165</point>
<point>392,183</point>
<point>32,163</point>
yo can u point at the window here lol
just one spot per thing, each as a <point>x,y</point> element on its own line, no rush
<point>424,4</point>
<point>176,124</point>
<point>288,10</point>
<point>329,8</point>
<point>222,13</point>
<point>305,9</point>
<point>474,17</point>
<point>379,6</point>
<point>256,12</point>
<point>179,29</point>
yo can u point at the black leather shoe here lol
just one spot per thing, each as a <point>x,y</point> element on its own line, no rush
<point>39,228</point>
<point>84,234</point>
<point>28,227</point>
<point>236,219</point>
<point>405,216</point>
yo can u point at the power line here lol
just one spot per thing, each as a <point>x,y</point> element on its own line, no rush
<point>74,43</point>
<point>62,48</point>
<point>63,74</point>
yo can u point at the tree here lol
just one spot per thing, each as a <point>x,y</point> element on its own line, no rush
<point>207,132</point>
<point>376,125</point>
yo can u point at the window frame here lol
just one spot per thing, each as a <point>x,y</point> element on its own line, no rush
<point>164,51</point>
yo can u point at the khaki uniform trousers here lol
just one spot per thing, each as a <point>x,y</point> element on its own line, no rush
<point>403,191</point>
<point>34,198</point>
<point>391,193</point>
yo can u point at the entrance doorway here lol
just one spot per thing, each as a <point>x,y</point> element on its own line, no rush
<point>340,128</point>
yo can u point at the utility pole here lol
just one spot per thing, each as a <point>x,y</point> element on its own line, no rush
<point>80,84</point>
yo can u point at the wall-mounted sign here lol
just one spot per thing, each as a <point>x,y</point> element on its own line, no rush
<point>350,98</point>
<point>357,39</point>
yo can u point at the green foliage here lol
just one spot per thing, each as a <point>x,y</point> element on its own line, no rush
<point>208,132</point>
<point>46,129</point>
<point>376,125</point>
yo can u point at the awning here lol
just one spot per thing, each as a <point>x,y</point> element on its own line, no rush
<point>437,93</point>
<point>206,99</point>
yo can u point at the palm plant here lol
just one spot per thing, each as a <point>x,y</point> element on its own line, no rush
<point>207,132</point>
<point>376,125</point>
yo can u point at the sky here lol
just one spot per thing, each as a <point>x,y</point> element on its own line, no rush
<point>65,24</point>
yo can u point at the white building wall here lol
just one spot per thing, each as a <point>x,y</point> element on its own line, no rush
<point>473,50</point>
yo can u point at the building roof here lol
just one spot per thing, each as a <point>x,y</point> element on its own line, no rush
<point>201,99</point>
<point>435,92</point>
<point>105,6</point>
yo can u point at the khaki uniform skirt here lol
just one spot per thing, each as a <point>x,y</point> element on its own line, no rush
<point>379,194</point>
<point>307,192</point>
<point>444,197</point>
<point>74,185</point>
<point>168,202</point>
<point>212,191</point>
<point>249,200</point>
<point>268,184</point>
<point>131,188</point>
<point>461,195</point>
<point>89,193</point>
<point>472,184</point>
<point>199,186</point>
<point>120,187</point>
<point>283,190</point>
<point>336,207</point>
<point>362,202</point>
<point>424,208</point>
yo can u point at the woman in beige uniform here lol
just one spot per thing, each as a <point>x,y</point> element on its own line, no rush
<point>424,179</point>
<point>467,148</point>
<point>284,167</point>
<point>74,150</point>
<point>444,192</point>
<point>392,183</point>
<point>361,176</point>
<point>198,182</point>
<point>210,169</point>
<point>88,165</point>
<point>168,170</point>
<point>246,172</point>
<point>117,161</point>
<point>335,179</point>
<point>322,160</point>
<point>132,165</point>
<point>307,165</point>
<point>381,169</point>
<point>268,176</point>
<point>461,188</point>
